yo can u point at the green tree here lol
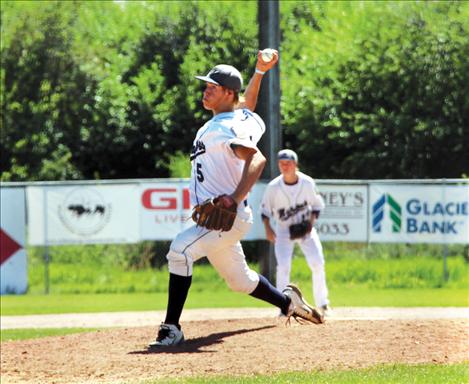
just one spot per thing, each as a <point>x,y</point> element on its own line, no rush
<point>43,93</point>
<point>107,90</point>
<point>167,107</point>
<point>384,95</point>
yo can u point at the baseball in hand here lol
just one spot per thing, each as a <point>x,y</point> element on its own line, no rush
<point>267,54</point>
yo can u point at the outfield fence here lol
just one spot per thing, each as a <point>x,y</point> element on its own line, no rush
<point>128,211</point>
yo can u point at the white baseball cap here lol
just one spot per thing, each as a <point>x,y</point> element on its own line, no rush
<point>287,154</point>
<point>224,75</point>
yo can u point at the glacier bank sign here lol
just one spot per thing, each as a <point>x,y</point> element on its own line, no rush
<point>419,213</point>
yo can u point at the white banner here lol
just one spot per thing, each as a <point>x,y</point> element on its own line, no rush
<point>257,231</point>
<point>345,216</point>
<point>165,210</point>
<point>159,210</point>
<point>419,213</point>
<point>83,214</point>
<point>13,261</point>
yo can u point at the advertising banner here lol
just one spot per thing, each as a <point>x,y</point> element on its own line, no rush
<point>419,213</point>
<point>257,231</point>
<point>165,210</point>
<point>345,216</point>
<point>87,214</point>
<point>13,261</point>
<point>159,210</point>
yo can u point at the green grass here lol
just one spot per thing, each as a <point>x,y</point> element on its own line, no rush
<point>355,296</point>
<point>35,333</point>
<point>100,278</point>
<point>387,273</point>
<point>384,374</point>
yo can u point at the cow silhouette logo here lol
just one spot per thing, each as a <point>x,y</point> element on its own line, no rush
<point>84,211</point>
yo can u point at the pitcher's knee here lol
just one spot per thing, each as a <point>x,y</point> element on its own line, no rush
<point>244,284</point>
<point>179,263</point>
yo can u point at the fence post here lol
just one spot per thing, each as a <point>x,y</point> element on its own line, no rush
<point>268,107</point>
<point>46,245</point>
<point>445,245</point>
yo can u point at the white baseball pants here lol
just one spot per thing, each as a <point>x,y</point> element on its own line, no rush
<point>312,249</point>
<point>223,250</point>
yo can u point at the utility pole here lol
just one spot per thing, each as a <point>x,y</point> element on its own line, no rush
<point>268,107</point>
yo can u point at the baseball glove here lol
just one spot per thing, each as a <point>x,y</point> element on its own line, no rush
<point>216,214</point>
<point>300,230</point>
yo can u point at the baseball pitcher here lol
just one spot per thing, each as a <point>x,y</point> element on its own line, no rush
<point>225,165</point>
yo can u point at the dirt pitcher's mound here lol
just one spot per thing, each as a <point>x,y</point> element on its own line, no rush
<point>233,347</point>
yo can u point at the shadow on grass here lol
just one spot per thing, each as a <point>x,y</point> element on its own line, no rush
<point>195,345</point>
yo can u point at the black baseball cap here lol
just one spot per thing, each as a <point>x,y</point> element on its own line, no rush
<point>287,154</point>
<point>224,75</point>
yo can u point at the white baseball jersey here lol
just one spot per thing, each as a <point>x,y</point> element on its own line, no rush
<point>291,204</point>
<point>215,168</point>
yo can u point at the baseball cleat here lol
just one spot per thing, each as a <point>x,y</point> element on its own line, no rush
<point>299,309</point>
<point>168,335</point>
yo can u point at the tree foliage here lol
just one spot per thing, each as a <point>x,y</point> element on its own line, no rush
<point>388,99</point>
<point>43,91</point>
<point>106,90</point>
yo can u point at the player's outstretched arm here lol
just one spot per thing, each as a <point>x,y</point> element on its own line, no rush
<point>254,163</point>
<point>249,100</point>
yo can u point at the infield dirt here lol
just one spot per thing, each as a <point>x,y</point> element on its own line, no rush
<point>233,347</point>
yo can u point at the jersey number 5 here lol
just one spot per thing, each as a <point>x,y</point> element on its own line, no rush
<point>200,175</point>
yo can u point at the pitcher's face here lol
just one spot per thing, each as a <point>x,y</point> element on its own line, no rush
<point>214,96</point>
